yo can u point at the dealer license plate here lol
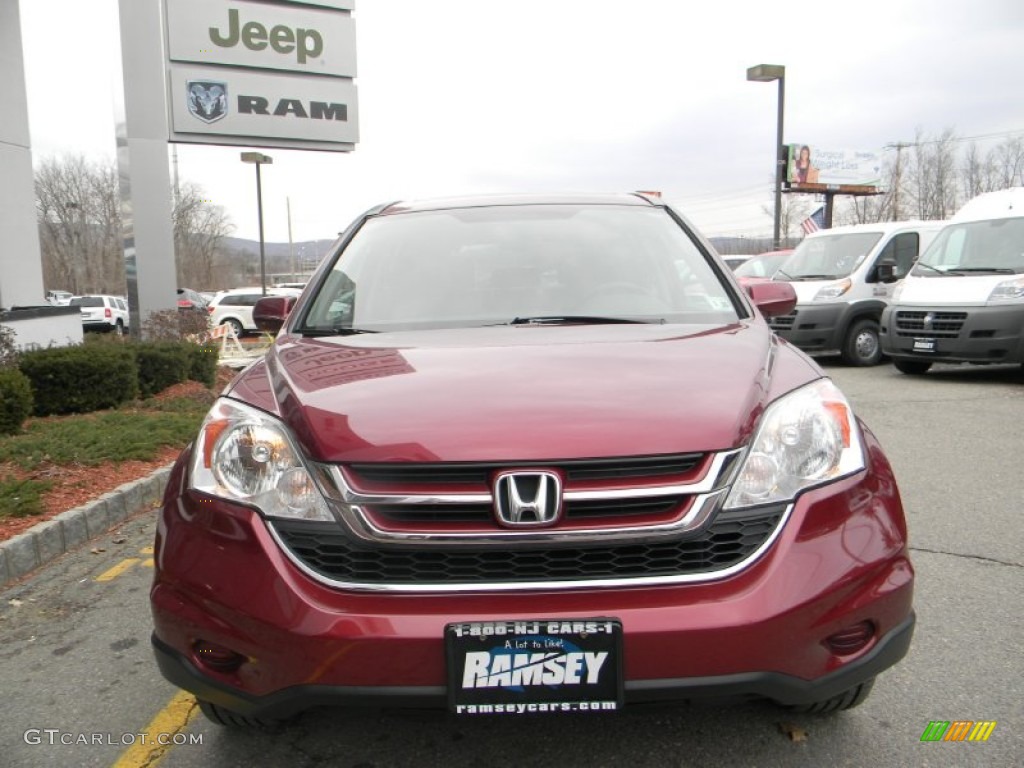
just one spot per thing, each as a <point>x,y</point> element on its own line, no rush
<point>543,665</point>
<point>924,345</point>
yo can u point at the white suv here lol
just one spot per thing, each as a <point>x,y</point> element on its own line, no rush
<point>235,307</point>
<point>103,313</point>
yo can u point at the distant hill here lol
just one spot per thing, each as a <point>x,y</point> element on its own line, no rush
<point>728,246</point>
<point>308,249</point>
<point>240,258</point>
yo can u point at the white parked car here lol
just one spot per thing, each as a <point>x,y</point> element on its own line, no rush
<point>235,307</point>
<point>59,298</point>
<point>102,313</point>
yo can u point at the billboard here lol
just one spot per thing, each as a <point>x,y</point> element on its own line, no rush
<point>814,168</point>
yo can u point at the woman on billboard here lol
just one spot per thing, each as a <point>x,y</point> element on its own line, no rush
<point>803,171</point>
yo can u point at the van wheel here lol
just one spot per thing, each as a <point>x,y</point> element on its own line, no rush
<point>230,719</point>
<point>912,367</point>
<point>848,699</point>
<point>862,346</point>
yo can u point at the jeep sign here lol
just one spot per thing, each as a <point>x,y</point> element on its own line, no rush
<point>262,74</point>
<point>261,36</point>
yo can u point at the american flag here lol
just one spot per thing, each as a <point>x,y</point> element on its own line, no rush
<point>815,221</point>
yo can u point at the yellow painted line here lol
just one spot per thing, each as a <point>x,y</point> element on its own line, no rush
<point>146,551</point>
<point>170,721</point>
<point>148,563</point>
<point>117,570</point>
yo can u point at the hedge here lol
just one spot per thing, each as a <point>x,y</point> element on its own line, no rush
<point>80,379</point>
<point>15,400</point>
<point>161,365</point>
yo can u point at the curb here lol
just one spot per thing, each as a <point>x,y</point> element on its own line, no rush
<point>45,542</point>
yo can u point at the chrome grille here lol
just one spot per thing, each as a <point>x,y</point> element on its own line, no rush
<point>426,475</point>
<point>782,322</point>
<point>943,325</point>
<point>454,504</point>
<point>484,513</point>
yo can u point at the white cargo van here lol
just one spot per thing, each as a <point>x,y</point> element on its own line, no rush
<point>841,291</point>
<point>964,300</point>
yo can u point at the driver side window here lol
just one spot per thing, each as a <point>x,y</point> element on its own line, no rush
<point>902,251</point>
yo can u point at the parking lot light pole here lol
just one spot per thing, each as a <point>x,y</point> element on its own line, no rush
<point>766,73</point>
<point>258,159</point>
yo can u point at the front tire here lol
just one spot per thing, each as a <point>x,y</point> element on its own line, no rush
<point>848,699</point>
<point>862,346</point>
<point>230,719</point>
<point>912,367</point>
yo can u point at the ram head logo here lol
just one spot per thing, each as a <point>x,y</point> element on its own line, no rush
<point>207,99</point>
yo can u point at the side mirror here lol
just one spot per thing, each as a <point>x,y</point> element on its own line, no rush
<point>772,298</point>
<point>270,312</point>
<point>886,272</point>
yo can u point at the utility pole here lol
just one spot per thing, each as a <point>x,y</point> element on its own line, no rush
<point>291,245</point>
<point>897,177</point>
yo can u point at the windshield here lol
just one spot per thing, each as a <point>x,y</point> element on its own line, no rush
<point>995,246</point>
<point>513,264</point>
<point>764,265</point>
<point>830,256</point>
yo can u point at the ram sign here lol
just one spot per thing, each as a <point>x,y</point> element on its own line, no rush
<point>816,168</point>
<point>262,74</point>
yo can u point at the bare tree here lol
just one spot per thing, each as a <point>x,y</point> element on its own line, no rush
<point>935,175</point>
<point>79,225</point>
<point>199,228</point>
<point>976,174</point>
<point>1007,161</point>
<point>79,211</point>
<point>795,208</point>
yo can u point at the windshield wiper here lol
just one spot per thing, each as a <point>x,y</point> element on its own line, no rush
<point>933,269</point>
<point>334,331</point>
<point>814,277</point>
<point>577,320</point>
<point>988,270</point>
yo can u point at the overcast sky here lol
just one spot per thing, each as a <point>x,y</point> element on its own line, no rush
<point>465,96</point>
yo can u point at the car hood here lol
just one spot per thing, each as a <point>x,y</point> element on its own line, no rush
<point>962,290</point>
<point>524,393</point>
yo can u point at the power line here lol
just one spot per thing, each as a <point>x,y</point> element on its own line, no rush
<point>897,145</point>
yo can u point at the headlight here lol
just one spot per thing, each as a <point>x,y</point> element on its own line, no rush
<point>807,438</point>
<point>245,455</point>
<point>1008,290</point>
<point>833,291</point>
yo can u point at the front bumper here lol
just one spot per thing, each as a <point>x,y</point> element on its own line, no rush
<point>954,334</point>
<point>814,328</point>
<point>839,560</point>
<point>785,689</point>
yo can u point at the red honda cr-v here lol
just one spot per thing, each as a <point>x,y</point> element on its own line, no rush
<point>529,454</point>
